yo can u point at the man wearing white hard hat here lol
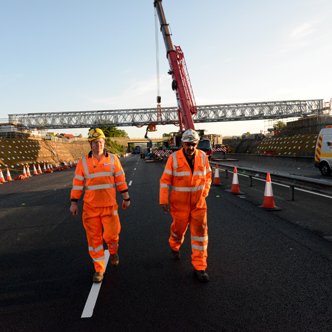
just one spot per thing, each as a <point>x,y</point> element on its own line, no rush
<point>184,185</point>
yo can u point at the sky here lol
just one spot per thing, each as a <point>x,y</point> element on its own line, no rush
<point>76,55</point>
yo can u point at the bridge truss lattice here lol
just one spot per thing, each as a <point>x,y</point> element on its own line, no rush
<point>169,115</point>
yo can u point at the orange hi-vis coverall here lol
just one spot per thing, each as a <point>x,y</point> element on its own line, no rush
<point>186,191</point>
<point>100,180</point>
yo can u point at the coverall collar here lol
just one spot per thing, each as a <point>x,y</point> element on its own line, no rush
<point>184,155</point>
<point>191,162</point>
<point>90,154</point>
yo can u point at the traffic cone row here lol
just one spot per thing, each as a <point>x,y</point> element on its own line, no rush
<point>26,173</point>
<point>268,202</point>
<point>36,170</point>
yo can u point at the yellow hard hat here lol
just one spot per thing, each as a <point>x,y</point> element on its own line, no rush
<point>95,133</point>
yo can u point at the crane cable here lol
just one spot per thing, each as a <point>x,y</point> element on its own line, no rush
<point>152,126</point>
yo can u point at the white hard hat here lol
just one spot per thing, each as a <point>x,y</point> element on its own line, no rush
<point>190,135</point>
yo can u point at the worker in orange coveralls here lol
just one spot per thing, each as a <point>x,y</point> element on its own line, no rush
<point>184,185</point>
<point>100,173</point>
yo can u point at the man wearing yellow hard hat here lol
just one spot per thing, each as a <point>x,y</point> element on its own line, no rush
<point>100,175</point>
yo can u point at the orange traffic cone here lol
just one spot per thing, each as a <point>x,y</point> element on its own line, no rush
<point>235,189</point>
<point>269,202</point>
<point>34,170</point>
<point>2,178</point>
<point>39,169</point>
<point>28,171</point>
<point>48,169</point>
<point>45,169</point>
<point>216,179</point>
<point>24,172</point>
<point>9,177</point>
<point>21,177</point>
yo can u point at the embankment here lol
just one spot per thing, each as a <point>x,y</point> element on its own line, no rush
<point>16,152</point>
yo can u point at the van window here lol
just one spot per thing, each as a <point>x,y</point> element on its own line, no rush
<point>204,145</point>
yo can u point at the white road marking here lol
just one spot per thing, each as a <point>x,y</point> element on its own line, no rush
<point>134,169</point>
<point>93,295</point>
<point>130,182</point>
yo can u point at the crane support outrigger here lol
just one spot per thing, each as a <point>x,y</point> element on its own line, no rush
<point>178,69</point>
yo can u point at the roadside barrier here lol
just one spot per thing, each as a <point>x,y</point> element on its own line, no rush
<point>216,179</point>
<point>268,202</point>
<point>9,177</point>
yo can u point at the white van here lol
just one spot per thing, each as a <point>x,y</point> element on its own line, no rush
<point>323,151</point>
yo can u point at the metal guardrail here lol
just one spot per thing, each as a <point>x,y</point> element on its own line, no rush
<point>294,182</point>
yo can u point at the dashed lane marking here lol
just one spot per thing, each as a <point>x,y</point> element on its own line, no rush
<point>130,182</point>
<point>93,295</point>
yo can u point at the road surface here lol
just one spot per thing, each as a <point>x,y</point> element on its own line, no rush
<point>267,272</point>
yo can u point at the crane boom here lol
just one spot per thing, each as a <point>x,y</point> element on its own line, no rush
<point>178,69</point>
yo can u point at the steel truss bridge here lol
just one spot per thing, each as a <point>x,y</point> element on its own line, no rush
<point>169,115</point>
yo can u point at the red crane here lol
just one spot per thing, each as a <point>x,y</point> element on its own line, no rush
<point>178,69</point>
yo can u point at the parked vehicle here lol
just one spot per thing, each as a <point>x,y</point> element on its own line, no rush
<point>323,151</point>
<point>205,145</point>
<point>137,150</point>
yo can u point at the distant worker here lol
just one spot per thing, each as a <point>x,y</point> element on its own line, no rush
<point>184,185</point>
<point>100,173</point>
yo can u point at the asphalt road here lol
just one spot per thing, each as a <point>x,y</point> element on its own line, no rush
<point>268,273</point>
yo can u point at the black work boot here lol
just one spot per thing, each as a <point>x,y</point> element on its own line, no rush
<point>201,275</point>
<point>98,277</point>
<point>114,259</point>
<point>176,255</point>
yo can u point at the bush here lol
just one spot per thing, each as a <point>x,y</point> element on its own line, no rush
<point>114,147</point>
